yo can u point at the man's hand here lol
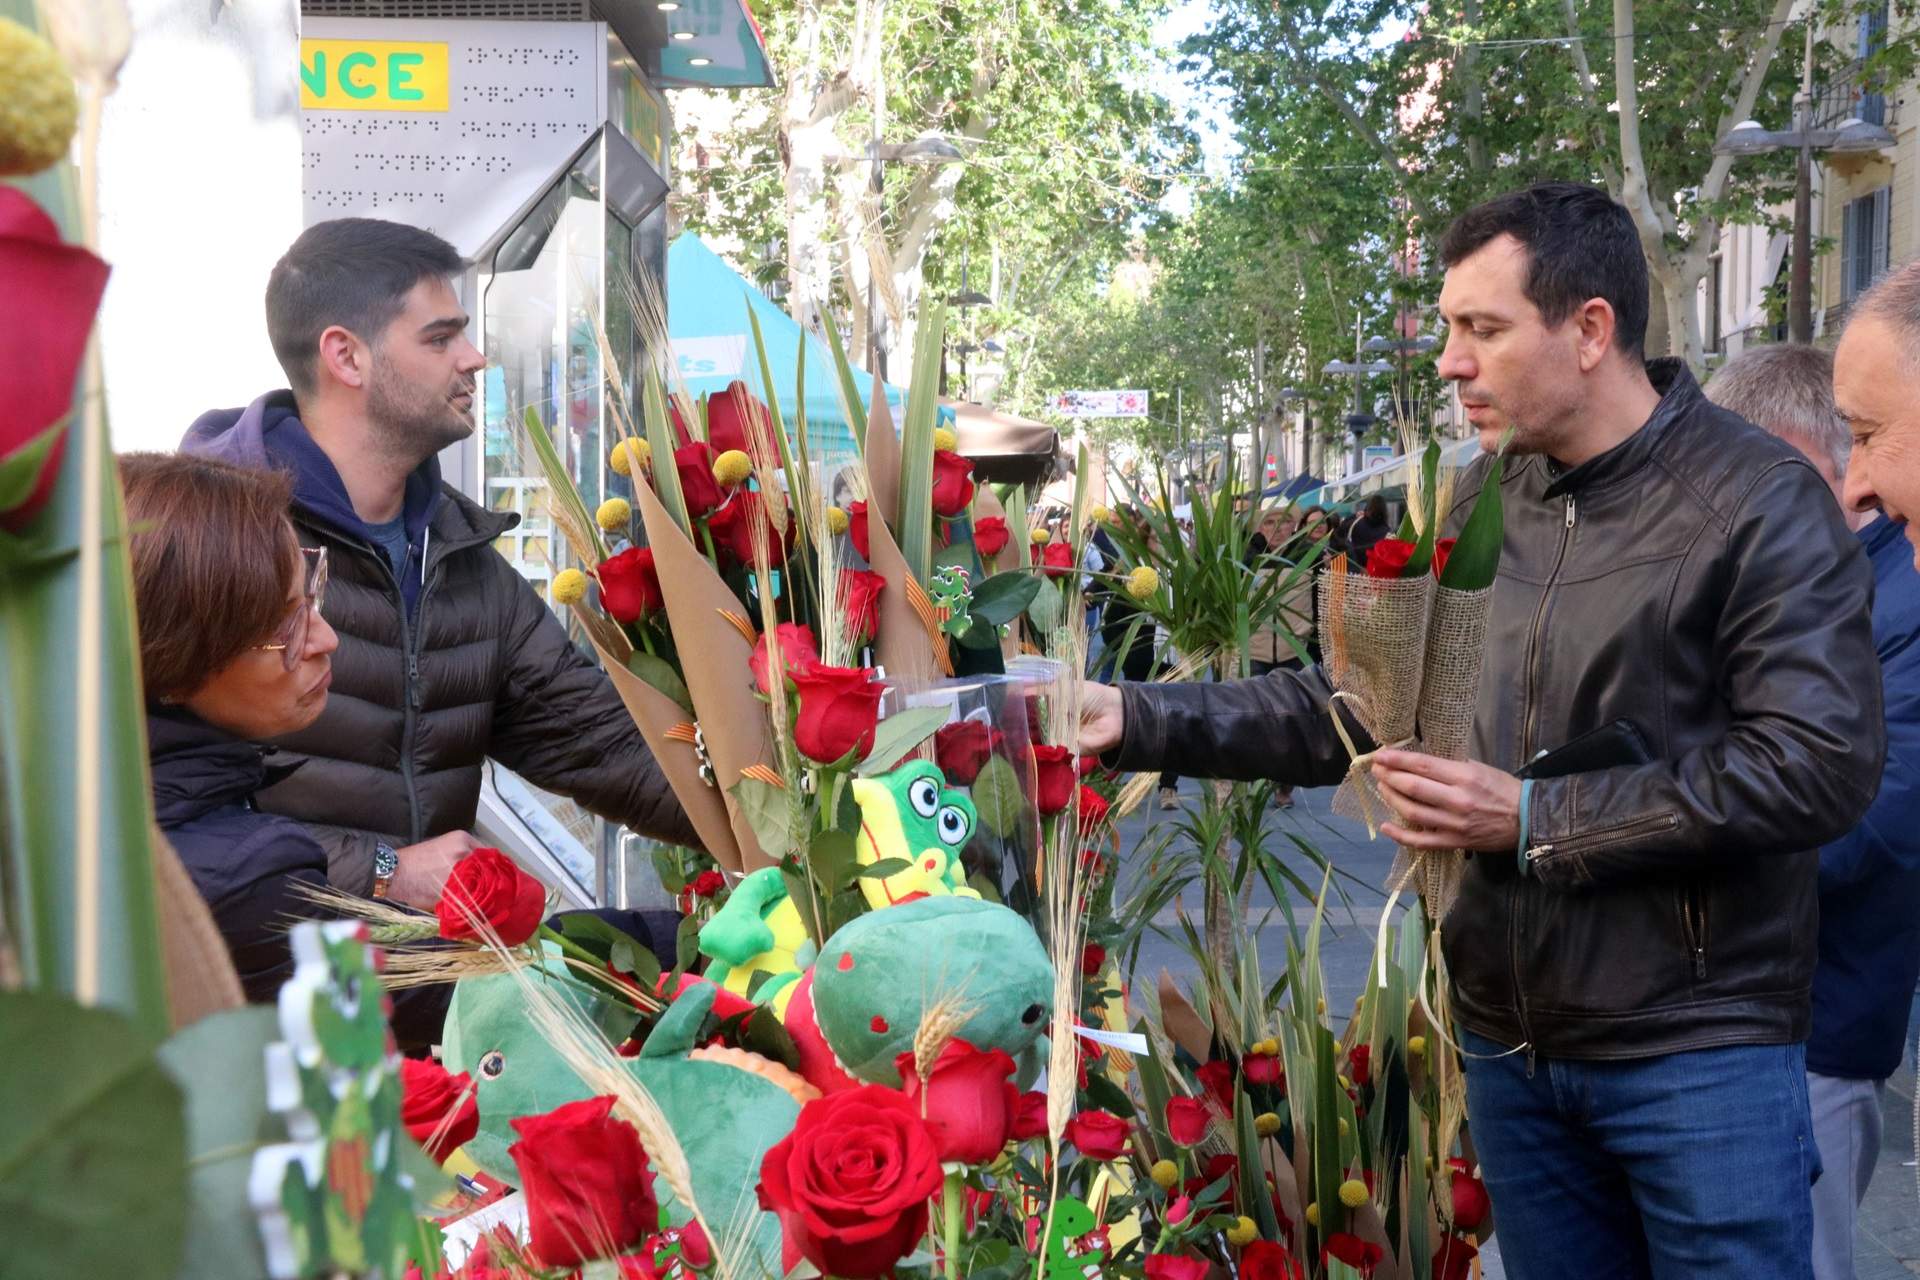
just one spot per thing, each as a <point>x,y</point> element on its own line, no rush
<point>1102,718</point>
<point>423,868</point>
<point>1457,804</point>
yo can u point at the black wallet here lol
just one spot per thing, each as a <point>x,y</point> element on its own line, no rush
<point>1607,747</point>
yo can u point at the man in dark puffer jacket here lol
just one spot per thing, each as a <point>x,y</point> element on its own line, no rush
<point>447,655</point>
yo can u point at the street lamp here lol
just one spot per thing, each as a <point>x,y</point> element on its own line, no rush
<point>1853,137</point>
<point>1401,348</point>
<point>1359,421</point>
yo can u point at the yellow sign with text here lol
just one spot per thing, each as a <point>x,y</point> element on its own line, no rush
<point>372,75</point>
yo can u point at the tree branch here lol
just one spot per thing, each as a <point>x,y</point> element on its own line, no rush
<point>1585,87</point>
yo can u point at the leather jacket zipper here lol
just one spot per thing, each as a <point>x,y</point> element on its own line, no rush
<point>1693,927</point>
<point>1515,929</point>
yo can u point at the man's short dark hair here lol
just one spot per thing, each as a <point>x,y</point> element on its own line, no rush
<point>1580,245</point>
<point>351,272</point>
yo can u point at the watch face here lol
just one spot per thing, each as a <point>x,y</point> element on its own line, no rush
<point>385,862</point>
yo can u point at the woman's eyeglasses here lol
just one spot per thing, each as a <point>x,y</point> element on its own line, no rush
<point>291,639</point>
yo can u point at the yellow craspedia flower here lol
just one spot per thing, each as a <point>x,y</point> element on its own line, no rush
<point>1353,1193</point>
<point>944,440</point>
<point>1344,1129</point>
<point>1313,1214</point>
<point>39,108</point>
<point>1344,1082</point>
<point>1040,537</point>
<point>569,586</point>
<point>1100,514</point>
<point>1143,581</point>
<point>732,468</point>
<point>1164,1173</point>
<point>1417,1046</point>
<point>1266,1124</point>
<point>836,520</point>
<point>1267,1048</point>
<point>629,456</point>
<point>1242,1232</point>
<point>1320,1006</point>
<point>613,514</point>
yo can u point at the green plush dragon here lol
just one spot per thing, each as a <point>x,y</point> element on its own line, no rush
<point>910,815</point>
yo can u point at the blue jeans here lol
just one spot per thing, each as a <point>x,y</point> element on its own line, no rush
<point>1689,1166</point>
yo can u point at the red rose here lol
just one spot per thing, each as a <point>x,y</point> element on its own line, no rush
<point>589,1191</point>
<point>630,585</point>
<point>963,748</point>
<point>1054,778</point>
<point>1167,1266</point>
<point>698,489</point>
<point>734,527</point>
<point>797,653</point>
<point>860,602</point>
<point>1216,1078</point>
<point>1360,1064</point>
<point>708,883</point>
<point>737,419</point>
<point>1389,558</point>
<point>669,1255</point>
<point>1454,1260</point>
<point>1441,550</point>
<point>1057,560</point>
<point>952,483</point>
<point>438,1108</point>
<point>1359,1254</point>
<point>1187,1121</point>
<point>968,1100</point>
<point>1030,1116</point>
<point>53,290</point>
<point>989,536</point>
<point>851,1182</point>
<point>1093,809</point>
<point>1098,1135</point>
<point>486,885</point>
<point>839,707</point>
<point>1263,1068</point>
<point>1092,957</point>
<point>1089,765</point>
<point>1470,1201</point>
<point>1265,1260</point>
<point>857,529</point>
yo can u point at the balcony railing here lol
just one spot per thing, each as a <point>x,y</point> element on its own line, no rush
<point>1835,102</point>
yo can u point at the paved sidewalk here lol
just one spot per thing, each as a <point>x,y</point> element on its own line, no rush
<point>1890,1218</point>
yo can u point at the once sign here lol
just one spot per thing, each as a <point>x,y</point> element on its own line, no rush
<point>372,75</point>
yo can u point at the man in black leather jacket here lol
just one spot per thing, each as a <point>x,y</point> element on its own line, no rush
<point>1631,964</point>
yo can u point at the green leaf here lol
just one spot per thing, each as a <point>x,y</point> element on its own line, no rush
<point>666,865</point>
<point>20,470</point>
<point>219,1063</point>
<point>560,486</point>
<point>915,517</point>
<point>661,439</point>
<point>1475,560</point>
<point>882,869</point>
<point>93,1145</point>
<point>848,389</point>
<point>1044,610</point>
<point>1001,597</point>
<point>659,673</point>
<point>997,797</point>
<point>899,734</point>
<point>631,957</point>
<point>833,858</point>
<point>769,812</point>
<point>957,556</point>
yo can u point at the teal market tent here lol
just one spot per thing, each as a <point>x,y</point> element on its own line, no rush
<point>707,304</point>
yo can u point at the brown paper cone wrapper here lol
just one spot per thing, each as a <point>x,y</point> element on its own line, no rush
<point>655,714</point>
<point>199,969</point>
<point>883,460</point>
<point>715,659</point>
<point>1373,643</point>
<point>904,646</point>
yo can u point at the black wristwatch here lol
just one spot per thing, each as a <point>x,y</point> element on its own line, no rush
<point>385,863</point>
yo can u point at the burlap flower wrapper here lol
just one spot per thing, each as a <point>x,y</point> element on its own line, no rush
<point>1373,641</point>
<point>1449,688</point>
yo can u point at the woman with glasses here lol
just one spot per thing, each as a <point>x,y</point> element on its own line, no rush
<point>233,651</point>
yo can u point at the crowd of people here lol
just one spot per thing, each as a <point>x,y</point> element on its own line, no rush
<point>1685,952</point>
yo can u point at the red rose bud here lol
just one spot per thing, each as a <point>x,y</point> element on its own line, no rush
<point>989,536</point>
<point>1265,1260</point>
<point>1187,1121</point>
<point>1263,1069</point>
<point>850,1183</point>
<point>1093,809</point>
<point>1441,550</point>
<point>952,484</point>
<point>1360,1064</point>
<point>1470,1201</point>
<point>630,585</point>
<point>839,708</point>
<point>1098,1135</point>
<point>1057,560</point>
<point>1179,1210</point>
<point>737,419</point>
<point>857,529</point>
<point>797,653</point>
<point>1359,1254</point>
<point>1089,765</point>
<point>1092,957</point>
<point>698,488</point>
<point>52,290</point>
<point>1389,558</point>
<point>588,1188</point>
<point>1167,1266</point>
<point>963,748</point>
<point>437,1107</point>
<point>860,604</point>
<point>1054,778</point>
<point>1217,1078</point>
<point>486,885</point>
<point>1030,1116</point>
<point>1454,1260</point>
<point>968,1101</point>
<point>708,883</point>
<point>733,528</point>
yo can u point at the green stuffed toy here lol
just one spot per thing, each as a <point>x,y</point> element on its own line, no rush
<point>911,816</point>
<point>758,942</point>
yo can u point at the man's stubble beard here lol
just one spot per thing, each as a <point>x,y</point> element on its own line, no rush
<point>408,423</point>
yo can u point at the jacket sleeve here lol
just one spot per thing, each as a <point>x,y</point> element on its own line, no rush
<point>349,856</point>
<point>1884,839</point>
<point>1275,726</point>
<point>1802,752</point>
<point>558,723</point>
<point>253,919</point>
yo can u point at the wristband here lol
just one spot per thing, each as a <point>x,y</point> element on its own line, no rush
<point>1526,805</point>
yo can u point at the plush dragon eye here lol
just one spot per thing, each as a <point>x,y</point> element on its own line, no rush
<point>953,826</point>
<point>924,796</point>
<point>493,1064</point>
